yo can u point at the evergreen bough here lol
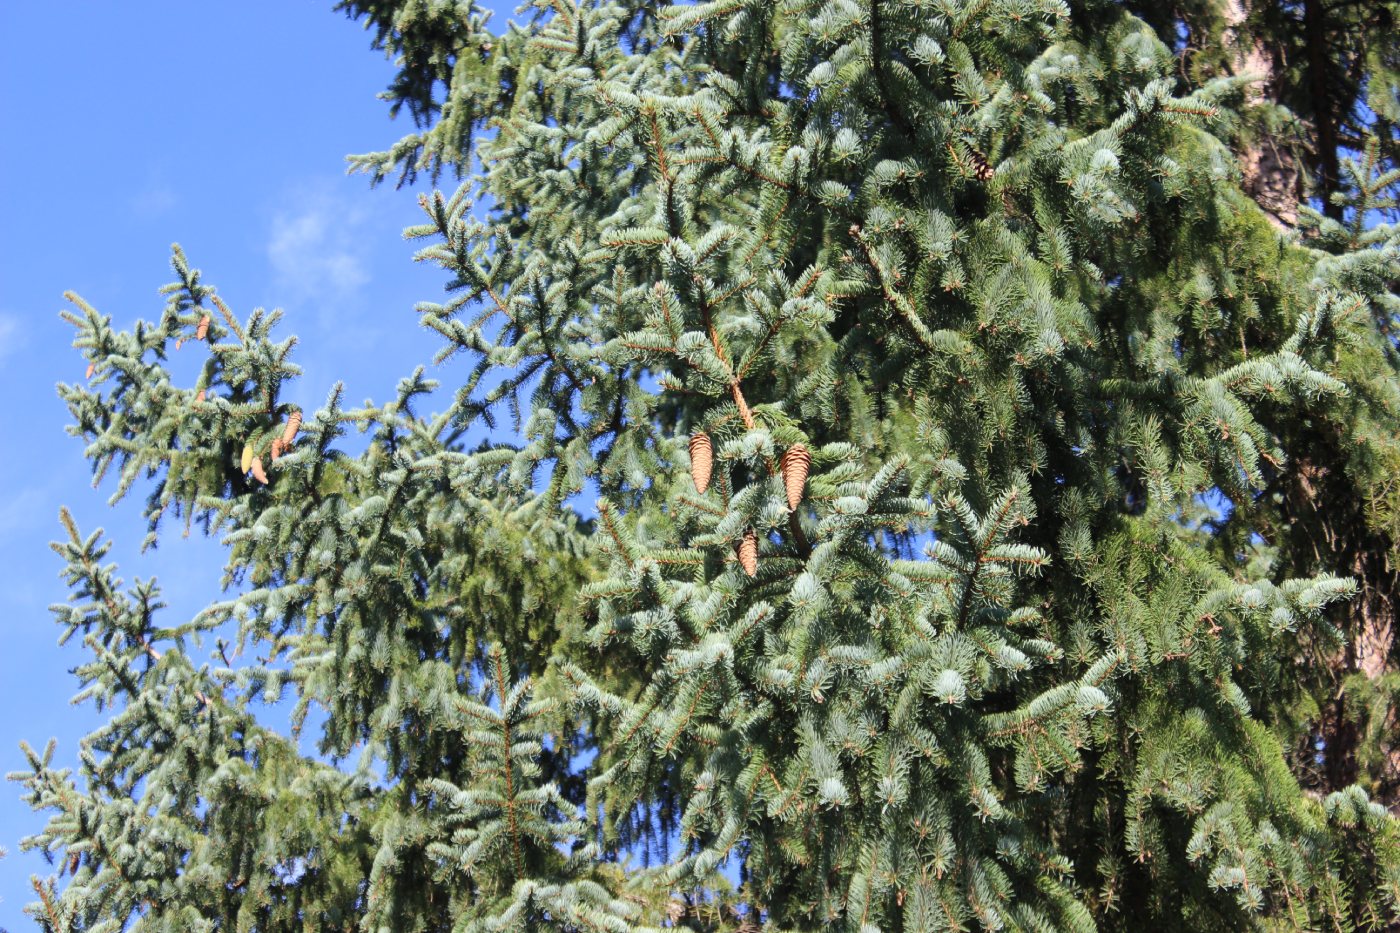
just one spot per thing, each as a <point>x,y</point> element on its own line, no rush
<point>985,268</point>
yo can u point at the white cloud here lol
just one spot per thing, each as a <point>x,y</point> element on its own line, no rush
<point>316,249</point>
<point>11,336</point>
<point>153,200</point>
<point>155,197</point>
<point>24,509</point>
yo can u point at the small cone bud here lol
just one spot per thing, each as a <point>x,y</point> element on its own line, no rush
<point>199,397</point>
<point>202,330</point>
<point>702,461</point>
<point>247,462</point>
<point>289,433</point>
<point>796,463</point>
<point>179,343</point>
<point>258,473</point>
<point>92,368</point>
<point>748,553</point>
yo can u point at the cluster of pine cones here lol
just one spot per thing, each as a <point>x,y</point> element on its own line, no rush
<point>794,465</point>
<point>252,463</point>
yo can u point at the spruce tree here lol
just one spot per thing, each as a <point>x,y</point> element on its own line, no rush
<point>865,380</point>
<point>1318,135</point>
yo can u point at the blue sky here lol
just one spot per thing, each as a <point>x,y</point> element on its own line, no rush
<point>221,126</point>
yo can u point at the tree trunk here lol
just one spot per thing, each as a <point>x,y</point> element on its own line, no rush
<point>1324,116</point>
<point>1330,531</point>
<point>1270,169</point>
<point>1328,518</point>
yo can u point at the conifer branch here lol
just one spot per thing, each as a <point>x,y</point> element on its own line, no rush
<point>1087,639</point>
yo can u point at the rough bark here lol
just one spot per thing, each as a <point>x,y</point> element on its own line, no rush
<point>1270,170</point>
<point>1331,533</point>
<point>1324,110</point>
<point>1330,527</point>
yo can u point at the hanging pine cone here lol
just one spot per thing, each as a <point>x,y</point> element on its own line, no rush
<point>202,330</point>
<point>276,448</point>
<point>981,167</point>
<point>179,343</point>
<point>748,553</point>
<point>92,368</point>
<point>289,433</point>
<point>246,462</point>
<point>258,473</point>
<point>702,460</point>
<point>795,464</point>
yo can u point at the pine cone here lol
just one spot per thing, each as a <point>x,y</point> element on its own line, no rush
<point>795,464</point>
<point>179,343</point>
<point>247,462</point>
<point>92,368</point>
<point>202,330</point>
<point>276,448</point>
<point>258,473</point>
<point>748,553</point>
<point>702,460</point>
<point>981,167</point>
<point>289,433</point>
<point>200,396</point>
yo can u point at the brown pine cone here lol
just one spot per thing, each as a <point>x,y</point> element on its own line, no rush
<point>796,463</point>
<point>289,433</point>
<point>748,553</point>
<point>702,461</point>
<point>981,167</point>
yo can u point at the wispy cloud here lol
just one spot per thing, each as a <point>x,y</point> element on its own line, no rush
<point>153,200</point>
<point>11,335</point>
<point>155,197</point>
<point>314,247</point>
<point>24,509</point>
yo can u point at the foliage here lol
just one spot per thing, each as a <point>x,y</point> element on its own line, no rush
<point>989,264</point>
